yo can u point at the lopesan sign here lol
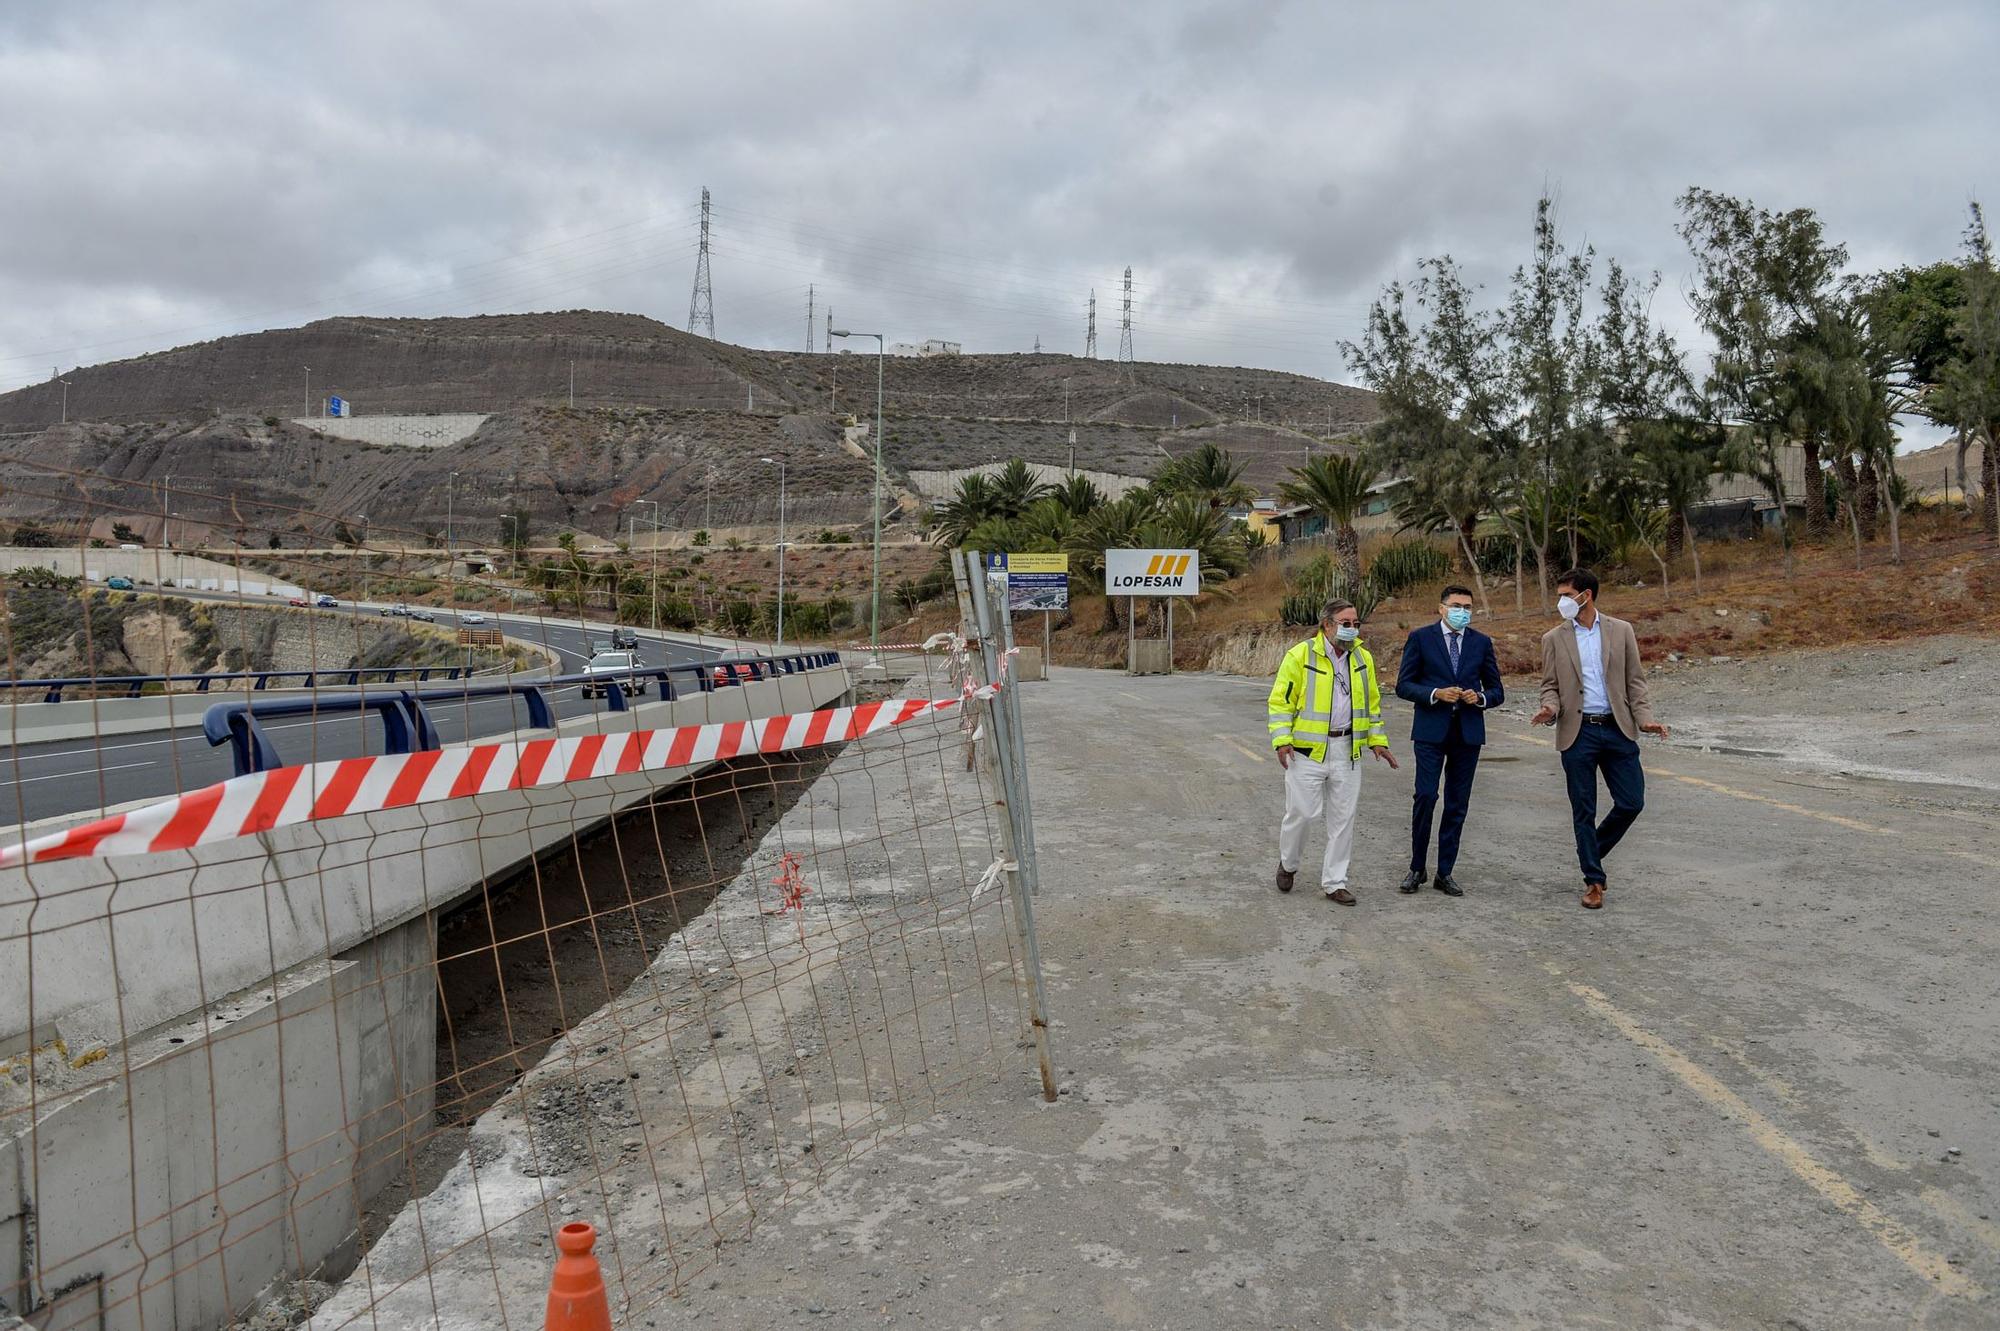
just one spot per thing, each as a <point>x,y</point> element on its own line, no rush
<point>1152,572</point>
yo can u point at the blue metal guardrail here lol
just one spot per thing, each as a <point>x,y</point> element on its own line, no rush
<point>407,724</point>
<point>135,685</point>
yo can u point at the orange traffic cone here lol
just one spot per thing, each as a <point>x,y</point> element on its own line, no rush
<point>576,1294</point>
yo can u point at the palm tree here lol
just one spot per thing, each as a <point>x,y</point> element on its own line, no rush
<point>1334,488</point>
<point>1116,526</point>
<point>971,504</point>
<point>1078,496</point>
<point>1186,522</point>
<point>1016,489</point>
<point>1209,471</point>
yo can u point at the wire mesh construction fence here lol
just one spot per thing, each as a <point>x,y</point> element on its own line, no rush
<point>352,1033</point>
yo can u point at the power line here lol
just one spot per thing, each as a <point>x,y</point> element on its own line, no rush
<point>701,306</point>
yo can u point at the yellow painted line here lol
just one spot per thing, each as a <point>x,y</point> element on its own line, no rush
<point>1838,820</point>
<point>1844,1196</point>
<point>1241,748</point>
<point>1953,1209</point>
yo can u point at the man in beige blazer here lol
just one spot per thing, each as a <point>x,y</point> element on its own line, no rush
<point>1594,694</point>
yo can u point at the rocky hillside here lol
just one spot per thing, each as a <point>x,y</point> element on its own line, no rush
<point>660,417</point>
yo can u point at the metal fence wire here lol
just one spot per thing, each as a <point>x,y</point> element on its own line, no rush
<point>349,1039</point>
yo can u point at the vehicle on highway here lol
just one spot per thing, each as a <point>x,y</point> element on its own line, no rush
<point>299,600</point>
<point>416,612</point>
<point>471,618</point>
<point>119,584</point>
<point>326,603</point>
<point>605,667</point>
<point>734,674</point>
<point>625,639</point>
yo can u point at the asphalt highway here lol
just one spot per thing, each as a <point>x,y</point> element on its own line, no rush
<point>85,776</point>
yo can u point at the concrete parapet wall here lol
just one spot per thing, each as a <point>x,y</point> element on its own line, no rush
<point>398,431</point>
<point>254,905</point>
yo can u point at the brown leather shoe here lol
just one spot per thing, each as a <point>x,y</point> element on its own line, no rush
<point>1593,896</point>
<point>1340,896</point>
<point>1285,877</point>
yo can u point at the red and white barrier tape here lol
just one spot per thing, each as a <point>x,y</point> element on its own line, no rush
<point>245,805</point>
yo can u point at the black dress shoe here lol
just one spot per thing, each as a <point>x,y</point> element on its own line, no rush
<point>1446,886</point>
<point>1413,880</point>
<point>1285,878</point>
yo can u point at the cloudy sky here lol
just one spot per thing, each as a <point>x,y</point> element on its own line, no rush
<point>182,171</point>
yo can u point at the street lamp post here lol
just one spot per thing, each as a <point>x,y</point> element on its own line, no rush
<point>656,561</point>
<point>875,582</point>
<point>780,464</point>
<point>309,388</point>
<point>65,400</point>
<point>451,492</point>
<point>166,526</point>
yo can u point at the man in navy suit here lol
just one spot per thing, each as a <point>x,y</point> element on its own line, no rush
<point>1450,672</point>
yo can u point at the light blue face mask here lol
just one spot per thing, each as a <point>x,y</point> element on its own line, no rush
<point>1346,633</point>
<point>1457,616</point>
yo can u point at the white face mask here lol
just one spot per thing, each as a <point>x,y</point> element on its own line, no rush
<point>1568,607</point>
<point>1346,633</point>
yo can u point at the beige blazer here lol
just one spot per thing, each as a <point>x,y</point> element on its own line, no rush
<point>1624,678</point>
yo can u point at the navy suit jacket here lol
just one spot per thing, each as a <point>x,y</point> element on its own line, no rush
<point>1427,666</point>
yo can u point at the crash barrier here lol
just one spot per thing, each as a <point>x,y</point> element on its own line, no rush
<point>670,1030</point>
<point>407,725</point>
<point>134,686</point>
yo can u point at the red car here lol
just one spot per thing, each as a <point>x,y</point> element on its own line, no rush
<point>300,601</point>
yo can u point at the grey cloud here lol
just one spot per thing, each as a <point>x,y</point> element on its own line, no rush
<point>931,169</point>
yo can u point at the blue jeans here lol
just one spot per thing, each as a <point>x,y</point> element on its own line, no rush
<point>1602,749</point>
<point>1456,762</point>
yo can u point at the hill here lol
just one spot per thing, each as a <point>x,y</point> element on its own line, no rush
<point>659,417</point>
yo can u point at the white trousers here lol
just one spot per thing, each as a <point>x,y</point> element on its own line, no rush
<point>1313,790</point>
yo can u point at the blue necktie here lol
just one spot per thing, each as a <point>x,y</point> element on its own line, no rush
<point>1452,639</point>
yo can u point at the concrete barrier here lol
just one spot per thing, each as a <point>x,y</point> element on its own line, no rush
<point>266,1012</point>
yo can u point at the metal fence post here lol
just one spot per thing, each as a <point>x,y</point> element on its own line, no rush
<point>1017,734</point>
<point>1015,843</point>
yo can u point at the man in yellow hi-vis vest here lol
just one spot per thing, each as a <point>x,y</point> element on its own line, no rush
<point>1325,708</point>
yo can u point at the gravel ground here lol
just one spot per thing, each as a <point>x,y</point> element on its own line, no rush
<point>1924,711</point>
<point>1758,1090</point>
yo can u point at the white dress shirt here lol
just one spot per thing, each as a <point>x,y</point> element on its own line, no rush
<point>1590,651</point>
<point>1336,656</point>
<point>1453,656</point>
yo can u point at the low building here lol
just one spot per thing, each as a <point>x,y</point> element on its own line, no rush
<point>1739,504</point>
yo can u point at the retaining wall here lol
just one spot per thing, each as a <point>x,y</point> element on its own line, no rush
<point>397,431</point>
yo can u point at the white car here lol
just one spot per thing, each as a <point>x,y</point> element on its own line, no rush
<point>471,618</point>
<point>605,667</point>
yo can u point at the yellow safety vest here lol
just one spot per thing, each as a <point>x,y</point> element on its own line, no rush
<point>1302,701</point>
